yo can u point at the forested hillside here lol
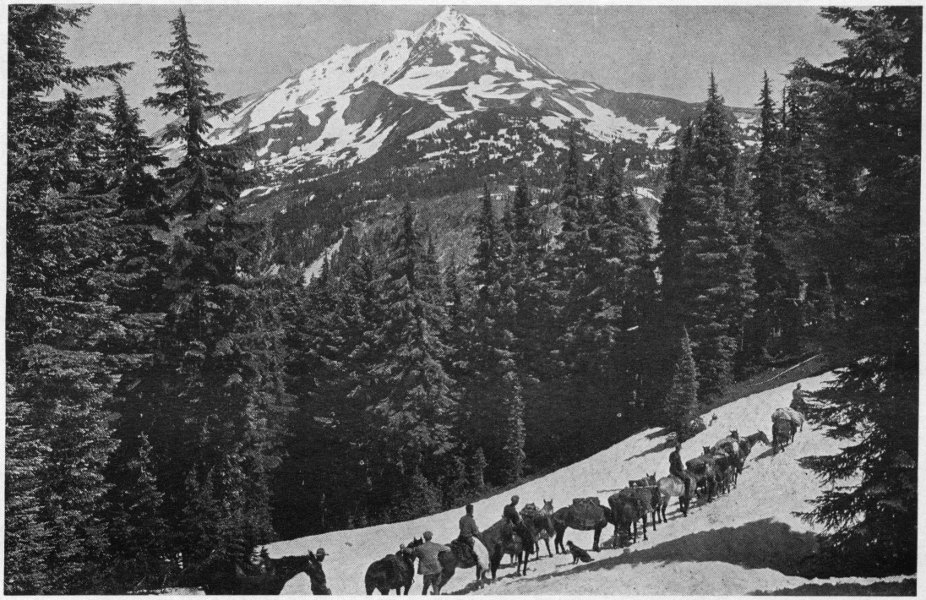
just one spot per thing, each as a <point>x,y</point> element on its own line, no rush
<point>177,396</point>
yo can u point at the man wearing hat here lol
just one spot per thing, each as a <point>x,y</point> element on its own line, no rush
<point>677,468</point>
<point>429,566</point>
<point>510,514</point>
<point>319,587</point>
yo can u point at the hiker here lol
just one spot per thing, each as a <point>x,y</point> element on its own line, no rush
<point>677,468</point>
<point>429,566</point>
<point>469,532</point>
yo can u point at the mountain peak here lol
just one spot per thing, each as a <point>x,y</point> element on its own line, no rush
<point>452,18</point>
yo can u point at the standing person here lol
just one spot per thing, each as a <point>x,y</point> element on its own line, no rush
<point>469,533</point>
<point>429,566</point>
<point>319,583</point>
<point>677,468</point>
<point>510,514</point>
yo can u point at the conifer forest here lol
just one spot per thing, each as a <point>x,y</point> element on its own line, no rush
<point>180,391</point>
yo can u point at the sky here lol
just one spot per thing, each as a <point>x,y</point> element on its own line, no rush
<point>662,50</point>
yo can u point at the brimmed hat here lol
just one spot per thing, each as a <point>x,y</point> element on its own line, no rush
<point>320,552</point>
<point>515,498</point>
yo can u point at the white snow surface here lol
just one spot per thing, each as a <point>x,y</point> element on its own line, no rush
<point>315,269</point>
<point>724,547</point>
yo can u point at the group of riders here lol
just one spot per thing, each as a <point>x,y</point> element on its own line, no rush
<point>428,552</point>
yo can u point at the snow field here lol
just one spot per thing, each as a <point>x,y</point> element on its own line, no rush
<point>738,544</point>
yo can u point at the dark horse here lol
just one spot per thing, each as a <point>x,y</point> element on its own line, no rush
<point>648,490</point>
<point>568,517</point>
<point>541,521</point>
<point>227,577</point>
<point>501,539</point>
<point>782,434</point>
<point>393,571</point>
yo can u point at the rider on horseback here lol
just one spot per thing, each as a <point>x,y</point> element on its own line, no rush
<point>677,468</point>
<point>469,531</point>
<point>510,514</point>
<point>797,399</point>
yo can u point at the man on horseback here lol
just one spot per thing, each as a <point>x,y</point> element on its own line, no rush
<point>797,399</point>
<point>469,531</point>
<point>510,514</point>
<point>319,584</point>
<point>677,468</point>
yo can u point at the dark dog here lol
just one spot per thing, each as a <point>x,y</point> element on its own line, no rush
<point>578,554</point>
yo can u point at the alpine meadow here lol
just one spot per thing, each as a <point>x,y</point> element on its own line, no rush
<point>274,338</point>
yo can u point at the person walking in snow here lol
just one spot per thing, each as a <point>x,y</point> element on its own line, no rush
<point>429,566</point>
<point>677,468</point>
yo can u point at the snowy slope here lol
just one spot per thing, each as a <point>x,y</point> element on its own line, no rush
<point>738,544</point>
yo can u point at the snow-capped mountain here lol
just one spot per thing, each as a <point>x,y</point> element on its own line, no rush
<point>347,108</point>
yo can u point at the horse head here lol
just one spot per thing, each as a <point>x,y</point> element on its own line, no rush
<point>548,507</point>
<point>734,434</point>
<point>707,450</point>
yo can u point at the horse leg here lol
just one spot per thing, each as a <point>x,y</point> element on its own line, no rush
<point>644,526</point>
<point>595,547</point>
<point>558,541</point>
<point>547,542</point>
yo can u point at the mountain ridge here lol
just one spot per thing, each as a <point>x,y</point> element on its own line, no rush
<point>419,82</point>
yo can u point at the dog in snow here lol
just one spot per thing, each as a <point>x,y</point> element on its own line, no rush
<point>578,554</point>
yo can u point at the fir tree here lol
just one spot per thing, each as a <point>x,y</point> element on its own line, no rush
<point>706,244</point>
<point>681,403</point>
<point>197,182</point>
<point>59,316</point>
<point>867,106</point>
<point>221,349</point>
<point>411,396</point>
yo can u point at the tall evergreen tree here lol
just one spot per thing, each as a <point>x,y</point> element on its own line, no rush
<point>411,396</point>
<point>681,403</point>
<point>706,237</point>
<point>59,316</point>
<point>221,349</point>
<point>201,179</point>
<point>867,107</point>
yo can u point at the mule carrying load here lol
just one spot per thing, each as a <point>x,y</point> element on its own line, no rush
<point>586,512</point>
<point>785,423</point>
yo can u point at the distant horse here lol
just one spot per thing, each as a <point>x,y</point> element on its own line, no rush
<point>671,486</point>
<point>648,492</point>
<point>541,521</point>
<point>726,460</point>
<point>782,434</point>
<point>501,539</point>
<point>568,518</point>
<point>626,510</point>
<point>393,571</point>
<point>747,443</point>
<point>704,472</point>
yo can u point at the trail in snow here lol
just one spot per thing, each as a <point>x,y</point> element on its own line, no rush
<point>745,541</point>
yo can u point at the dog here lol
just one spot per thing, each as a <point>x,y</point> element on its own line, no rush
<point>578,554</point>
